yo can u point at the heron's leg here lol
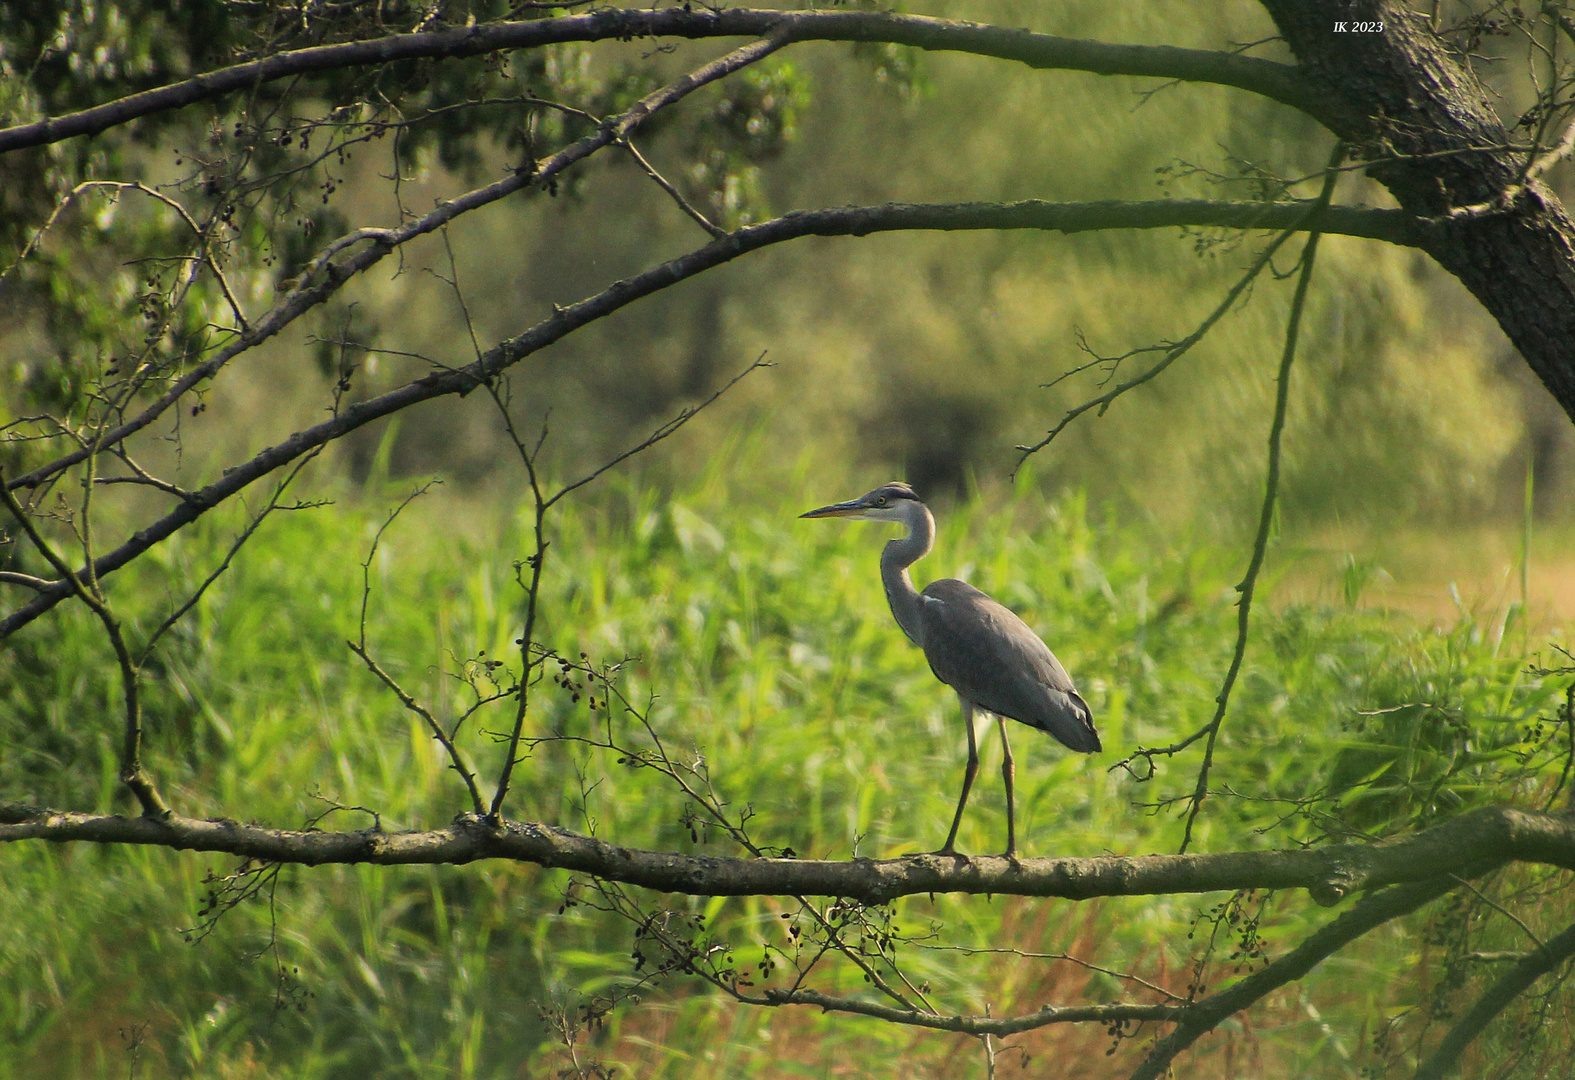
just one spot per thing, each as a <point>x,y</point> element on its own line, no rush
<point>968,775</point>
<point>1008,773</point>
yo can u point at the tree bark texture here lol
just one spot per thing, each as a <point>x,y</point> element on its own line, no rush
<point>1403,94</point>
<point>1463,846</point>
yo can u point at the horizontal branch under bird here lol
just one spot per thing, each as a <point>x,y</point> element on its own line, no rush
<point>1330,873</point>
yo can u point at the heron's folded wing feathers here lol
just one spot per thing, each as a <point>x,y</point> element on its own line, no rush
<point>990,656</point>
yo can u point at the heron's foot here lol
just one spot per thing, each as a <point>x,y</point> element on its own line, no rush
<point>948,849</point>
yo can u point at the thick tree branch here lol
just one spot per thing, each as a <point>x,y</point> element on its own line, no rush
<point>1403,95</point>
<point>1279,82</point>
<point>1458,846</point>
<point>1391,226</point>
<point>323,277</point>
<point>845,221</point>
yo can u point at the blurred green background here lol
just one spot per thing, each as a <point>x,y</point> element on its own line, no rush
<point>760,645</point>
<point>917,354</point>
<point>1408,585</point>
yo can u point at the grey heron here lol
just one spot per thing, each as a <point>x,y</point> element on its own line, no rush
<point>974,645</point>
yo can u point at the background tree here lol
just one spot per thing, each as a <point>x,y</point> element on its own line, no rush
<point>238,225</point>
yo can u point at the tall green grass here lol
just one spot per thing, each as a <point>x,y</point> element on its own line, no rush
<point>761,644</point>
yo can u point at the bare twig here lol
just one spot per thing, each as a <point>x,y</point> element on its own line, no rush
<point>542,504</point>
<point>536,561</point>
<point>1068,957</point>
<point>362,650</point>
<point>1502,910</point>
<point>1271,488</point>
<point>204,240</point>
<point>1535,166</point>
<point>677,196</point>
<point>667,428</point>
<point>132,773</point>
<point>141,476</point>
<point>1172,352</point>
<point>275,502</point>
<point>976,1025</point>
<point>1210,729</point>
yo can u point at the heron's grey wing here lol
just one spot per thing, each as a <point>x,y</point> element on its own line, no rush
<point>988,655</point>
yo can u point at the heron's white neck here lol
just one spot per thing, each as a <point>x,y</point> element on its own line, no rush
<point>895,559</point>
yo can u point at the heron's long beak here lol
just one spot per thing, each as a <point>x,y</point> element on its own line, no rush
<point>840,510</point>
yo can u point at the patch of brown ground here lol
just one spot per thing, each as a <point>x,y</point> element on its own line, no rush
<point>1438,575</point>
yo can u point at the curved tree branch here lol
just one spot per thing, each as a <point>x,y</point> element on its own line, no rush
<point>1459,846</point>
<point>975,1025</point>
<point>1390,226</point>
<point>323,277</point>
<point>1279,82</point>
<point>844,221</point>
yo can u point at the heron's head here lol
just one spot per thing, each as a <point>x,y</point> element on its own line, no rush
<point>889,502</point>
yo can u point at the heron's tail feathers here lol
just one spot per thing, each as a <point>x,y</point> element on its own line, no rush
<point>1071,721</point>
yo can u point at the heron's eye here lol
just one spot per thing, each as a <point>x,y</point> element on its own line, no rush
<point>881,501</point>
